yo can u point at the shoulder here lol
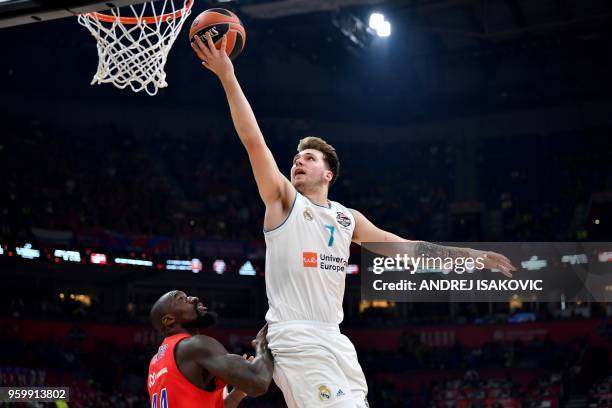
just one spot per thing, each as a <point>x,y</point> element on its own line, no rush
<point>289,195</point>
<point>358,217</point>
<point>341,207</point>
<point>344,210</point>
<point>279,213</point>
<point>356,214</point>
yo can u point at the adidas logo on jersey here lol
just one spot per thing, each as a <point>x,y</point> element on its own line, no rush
<point>340,393</point>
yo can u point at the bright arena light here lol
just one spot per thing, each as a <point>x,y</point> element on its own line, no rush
<point>384,30</point>
<point>247,269</point>
<point>129,261</point>
<point>27,252</point>
<point>219,266</point>
<point>98,259</point>
<point>375,20</point>
<point>68,256</point>
<point>377,23</point>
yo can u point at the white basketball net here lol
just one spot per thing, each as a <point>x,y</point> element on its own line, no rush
<point>134,53</point>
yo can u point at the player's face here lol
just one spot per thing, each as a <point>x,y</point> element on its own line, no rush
<point>309,170</point>
<point>189,311</point>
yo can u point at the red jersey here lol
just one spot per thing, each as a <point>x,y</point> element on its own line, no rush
<point>168,387</point>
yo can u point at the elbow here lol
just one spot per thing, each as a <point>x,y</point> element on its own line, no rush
<point>258,388</point>
<point>252,141</point>
<point>247,139</point>
<point>261,387</point>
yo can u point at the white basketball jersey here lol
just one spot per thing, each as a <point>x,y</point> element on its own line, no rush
<point>306,261</point>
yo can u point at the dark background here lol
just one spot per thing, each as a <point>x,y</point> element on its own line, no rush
<point>474,121</point>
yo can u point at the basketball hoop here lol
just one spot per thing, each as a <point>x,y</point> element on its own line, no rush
<point>133,48</point>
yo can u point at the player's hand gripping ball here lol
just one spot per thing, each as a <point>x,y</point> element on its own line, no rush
<point>219,22</point>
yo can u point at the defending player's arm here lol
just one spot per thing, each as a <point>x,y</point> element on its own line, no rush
<point>366,231</point>
<point>251,377</point>
<point>272,184</point>
<point>232,399</point>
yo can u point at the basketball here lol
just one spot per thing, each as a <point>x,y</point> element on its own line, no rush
<point>219,22</point>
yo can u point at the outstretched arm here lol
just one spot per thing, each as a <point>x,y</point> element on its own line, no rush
<point>250,376</point>
<point>273,186</point>
<point>366,231</point>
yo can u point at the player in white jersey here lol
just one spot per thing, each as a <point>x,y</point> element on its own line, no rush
<point>308,238</point>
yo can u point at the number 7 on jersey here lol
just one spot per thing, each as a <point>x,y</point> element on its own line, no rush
<point>331,229</point>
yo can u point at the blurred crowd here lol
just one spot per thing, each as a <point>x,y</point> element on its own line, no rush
<point>600,395</point>
<point>500,374</point>
<point>528,187</point>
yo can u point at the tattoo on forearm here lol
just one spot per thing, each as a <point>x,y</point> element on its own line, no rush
<point>439,251</point>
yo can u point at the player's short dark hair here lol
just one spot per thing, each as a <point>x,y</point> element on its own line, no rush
<point>329,153</point>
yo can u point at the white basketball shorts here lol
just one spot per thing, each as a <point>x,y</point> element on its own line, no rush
<point>316,366</point>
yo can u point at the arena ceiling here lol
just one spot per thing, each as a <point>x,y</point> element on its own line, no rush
<point>318,57</point>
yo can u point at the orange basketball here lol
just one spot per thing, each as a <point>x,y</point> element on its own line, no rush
<point>219,22</point>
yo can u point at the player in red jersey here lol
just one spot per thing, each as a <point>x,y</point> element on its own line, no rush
<point>191,370</point>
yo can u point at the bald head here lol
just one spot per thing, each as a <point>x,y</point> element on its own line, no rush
<point>162,308</point>
<point>176,312</point>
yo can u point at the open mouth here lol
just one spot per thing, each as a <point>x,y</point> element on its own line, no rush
<point>299,172</point>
